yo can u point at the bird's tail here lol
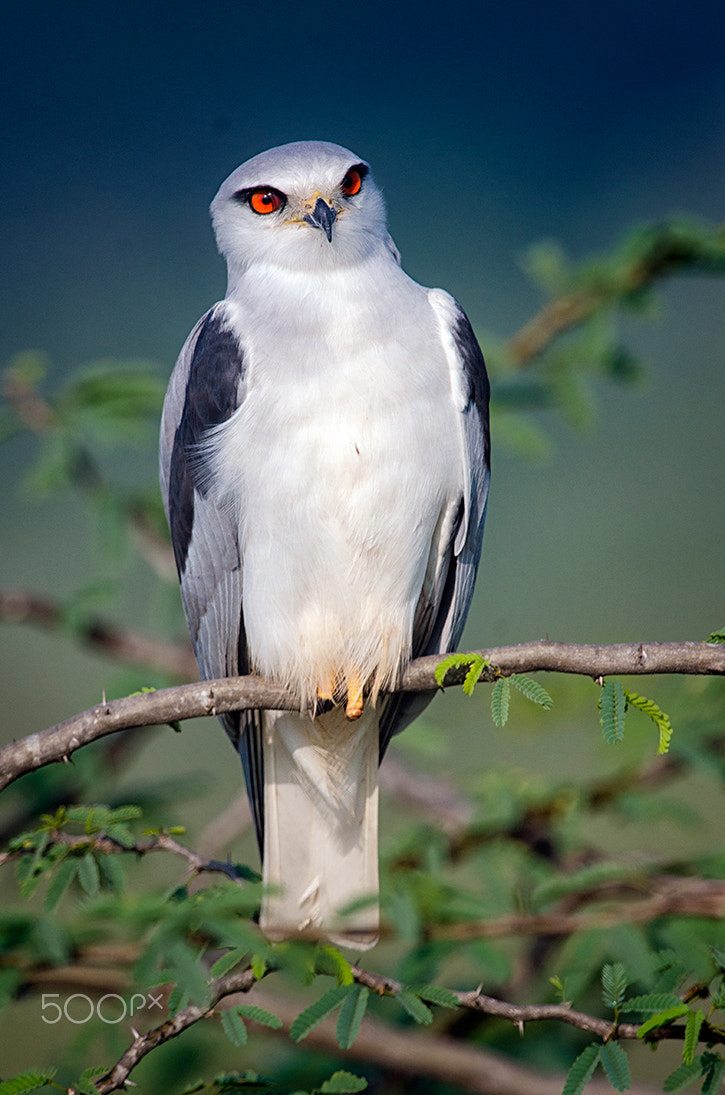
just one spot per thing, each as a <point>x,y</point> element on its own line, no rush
<point>321,826</point>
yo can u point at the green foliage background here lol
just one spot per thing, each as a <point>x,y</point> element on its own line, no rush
<point>502,127</point>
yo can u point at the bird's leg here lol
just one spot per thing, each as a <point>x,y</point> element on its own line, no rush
<point>355,703</point>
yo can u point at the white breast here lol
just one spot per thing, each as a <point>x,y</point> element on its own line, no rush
<point>344,467</point>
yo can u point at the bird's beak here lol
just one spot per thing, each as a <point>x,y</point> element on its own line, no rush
<point>322,216</point>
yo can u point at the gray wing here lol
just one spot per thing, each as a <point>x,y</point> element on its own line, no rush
<point>442,611</point>
<point>206,387</point>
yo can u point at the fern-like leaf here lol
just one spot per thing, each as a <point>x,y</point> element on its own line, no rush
<point>31,1080</point>
<point>343,1083</point>
<point>234,1027</point>
<point>228,961</point>
<point>331,960</point>
<point>660,719</point>
<point>415,1007</point>
<point>652,1002</point>
<point>88,874</point>
<point>695,1020</point>
<point>178,999</point>
<point>614,984</point>
<point>500,694</point>
<point>682,1077</point>
<point>476,665</point>
<point>84,1084</point>
<point>63,878</point>
<point>615,1064</point>
<point>351,1015</point>
<point>714,1074</point>
<point>434,994</point>
<point>716,636</point>
<point>612,706</point>
<point>532,690</point>
<point>662,1018</point>
<point>312,1016</point>
<point>582,1070</point>
<point>259,1015</point>
<point>259,966</point>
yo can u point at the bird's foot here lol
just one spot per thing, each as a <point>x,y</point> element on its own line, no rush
<point>355,702</point>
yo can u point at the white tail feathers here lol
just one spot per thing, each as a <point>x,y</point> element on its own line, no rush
<point>321,825</point>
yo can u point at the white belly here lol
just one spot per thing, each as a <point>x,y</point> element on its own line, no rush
<point>344,462</point>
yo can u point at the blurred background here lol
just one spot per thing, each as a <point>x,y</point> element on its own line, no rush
<point>489,127</point>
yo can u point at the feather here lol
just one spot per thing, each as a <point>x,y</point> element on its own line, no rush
<point>324,466</point>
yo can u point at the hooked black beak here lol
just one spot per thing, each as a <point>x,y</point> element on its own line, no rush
<point>322,216</point>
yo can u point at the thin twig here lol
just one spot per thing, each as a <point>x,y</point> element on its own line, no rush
<point>665,256</point>
<point>121,644</point>
<point>100,842</point>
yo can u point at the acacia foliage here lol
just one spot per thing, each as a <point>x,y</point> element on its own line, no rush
<point>513,893</point>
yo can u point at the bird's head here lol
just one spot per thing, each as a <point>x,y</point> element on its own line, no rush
<point>303,206</point>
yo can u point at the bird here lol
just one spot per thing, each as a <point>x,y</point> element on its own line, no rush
<point>324,466</point>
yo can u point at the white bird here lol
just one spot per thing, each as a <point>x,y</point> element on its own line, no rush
<point>324,468</point>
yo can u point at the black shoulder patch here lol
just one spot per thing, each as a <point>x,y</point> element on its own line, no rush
<point>211,398</point>
<point>479,390</point>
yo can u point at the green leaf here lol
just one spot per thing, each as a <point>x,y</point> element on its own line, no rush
<point>113,873</point>
<point>615,1064</point>
<point>178,999</point>
<point>652,1002</point>
<point>532,690</point>
<point>660,719</point>
<point>84,1084</point>
<point>500,694</point>
<point>444,998</point>
<point>695,1020</point>
<point>343,1083</point>
<point>612,706</point>
<point>351,1015</point>
<point>331,961</point>
<point>614,984</point>
<point>63,878</point>
<point>662,1018</point>
<point>27,1081</point>
<point>716,636</point>
<point>473,675</point>
<point>259,1015</point>
<point>228,961</point>
<point>312,1016</point>
<point>259,966</point>
<point>682,1077</point>
<point>88,874</point>
<point>234,1027</point>
<point>582,1069</point>
<point>121,835</point>
<point>415,1006</point>
<point>476,665</point>
<point>713,1076</point>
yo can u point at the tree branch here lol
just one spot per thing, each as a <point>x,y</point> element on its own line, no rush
<point>143,1044</point>
<point>437,1056</point>
<point>23,607</point>
<point>414,1053</point>
<point>698,897</point>
<point>100,842</point>
<point>664,253</point>
<point>215,697</point>
<point>520,1014</point>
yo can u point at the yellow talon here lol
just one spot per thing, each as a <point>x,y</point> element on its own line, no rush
<point>355,703</point>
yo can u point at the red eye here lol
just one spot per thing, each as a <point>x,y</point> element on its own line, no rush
<point>265,201</point>
<point>352,182</point>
